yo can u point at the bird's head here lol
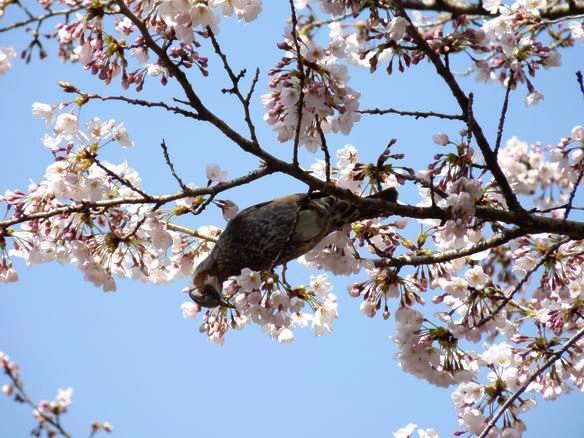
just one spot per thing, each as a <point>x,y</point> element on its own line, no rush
<point>206,291</point>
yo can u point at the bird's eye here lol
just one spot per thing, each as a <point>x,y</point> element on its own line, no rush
<point>196,295</point>
<point>210,290</point>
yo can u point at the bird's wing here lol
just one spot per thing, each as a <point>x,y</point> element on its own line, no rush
<point>265,233</point>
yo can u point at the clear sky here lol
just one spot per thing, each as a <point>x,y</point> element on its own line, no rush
<point>131,358</point>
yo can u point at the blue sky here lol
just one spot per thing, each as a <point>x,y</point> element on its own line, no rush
<point>135,362</point>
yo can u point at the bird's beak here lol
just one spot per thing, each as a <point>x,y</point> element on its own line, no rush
<point>209,297</point>
<point>225,303</point>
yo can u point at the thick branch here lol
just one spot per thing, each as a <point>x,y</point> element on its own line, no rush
<point>463,101</point>
<point>530,223</point>
<point>459,8</point>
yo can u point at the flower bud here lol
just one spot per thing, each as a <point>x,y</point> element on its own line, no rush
<point>68,87</point>
<point>440,139</point>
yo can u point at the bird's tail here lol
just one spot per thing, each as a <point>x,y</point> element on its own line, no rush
<point>342,212</point>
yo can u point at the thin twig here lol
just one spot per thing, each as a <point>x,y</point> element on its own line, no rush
<point>415,114</point>
<point>140,223</point>
<point>142,102</point>
<point>319,23</point>
<point>254,82</point>
<point>574,190</point>
<point>26,399</point>
<point>446,256</point>
<point>118,178</point>
<point>580,81</point>
<point>40,18</point>
<point>86,206</point>
<point>235,79</point>
<point>325,150</point>
<point>189,231</point>
<point>524,280</point>
<point>502,117</point>
<point>302,74</point>
<point>564,18</point>
<point>548,363</point>
<point>170,165</point>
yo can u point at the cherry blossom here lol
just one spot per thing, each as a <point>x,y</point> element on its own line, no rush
<point>6,55</point>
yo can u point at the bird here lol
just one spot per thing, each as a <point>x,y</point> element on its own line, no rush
<point>271,233</point>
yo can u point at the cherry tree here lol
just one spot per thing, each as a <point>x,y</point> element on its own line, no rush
<point>482,269</point>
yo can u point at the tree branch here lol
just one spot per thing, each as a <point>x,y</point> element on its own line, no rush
<point>459,8</point>
<point>26,399</point>
<point>189,231</point>
<point>149,199</point>
<point>463,101</point>
<point>517,216</point>
<point>446,256</point>
<point>302,75</point>
<point>39,19</point>
<point>524,280</point>
<point>502,117</point>
<point>235,79</point>
<point>170,165</point>
<point>142,102</point>
<point>555,357</point>
<point>415,114</point>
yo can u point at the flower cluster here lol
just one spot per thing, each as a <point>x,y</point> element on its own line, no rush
<point>507,47</point>
<point>517,54</point>
<point>462,197</point>
<point>86,38</point>
<point>102,234</point>
<point>6,55</point>
<point>408,432</point>
<point>475,401</point>
<point>46,413</point>
<point>442,365</point>
<point>183,16</point>
<point>309,96</point>
<point>551,172</point>
<point>265,300</point>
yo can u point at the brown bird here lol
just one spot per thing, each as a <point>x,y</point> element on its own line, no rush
<point>271,233</point>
